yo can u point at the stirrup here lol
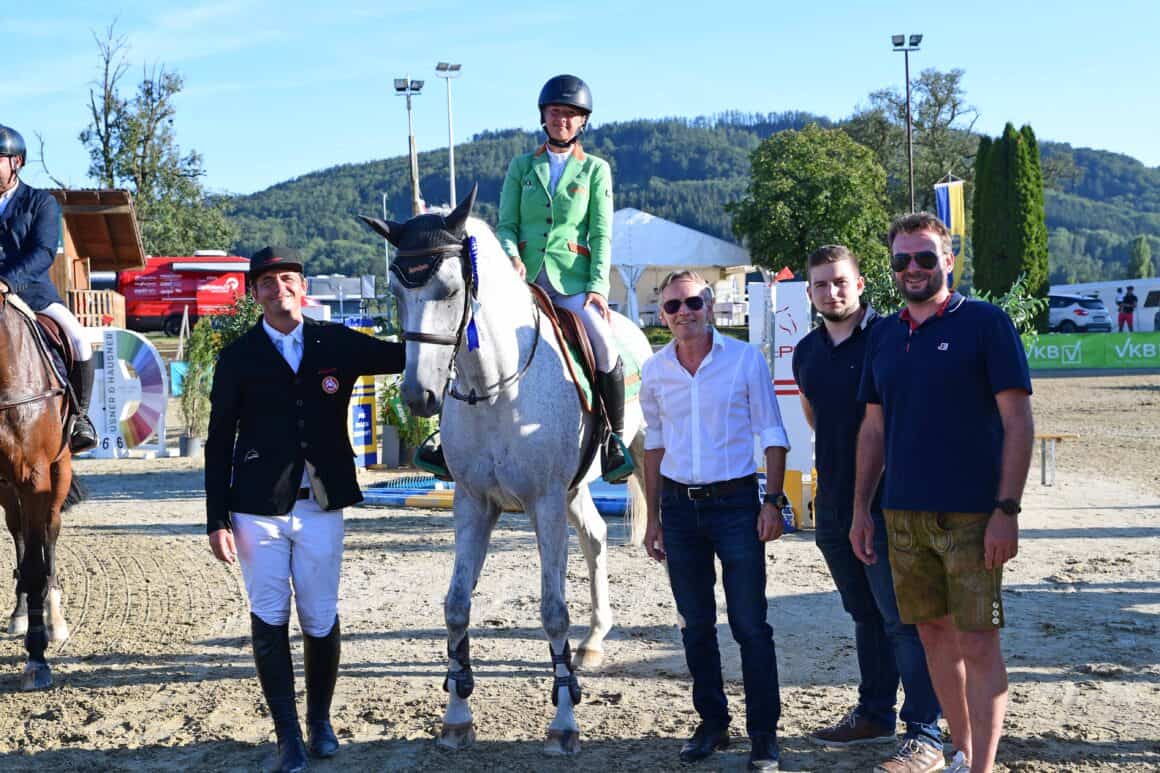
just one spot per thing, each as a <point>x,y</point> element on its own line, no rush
<point>83,435</point>
<point>428,456</point>
<point>621,472</point>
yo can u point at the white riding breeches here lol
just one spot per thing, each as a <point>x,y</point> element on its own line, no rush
<point>76,334</point>
<point>599,331</point>
<point>303,549</point>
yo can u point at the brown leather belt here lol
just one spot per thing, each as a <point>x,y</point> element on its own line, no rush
<point>707,490</point>
<point>304,493</point>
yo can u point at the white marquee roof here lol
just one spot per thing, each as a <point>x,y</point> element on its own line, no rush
<point>648,241</point>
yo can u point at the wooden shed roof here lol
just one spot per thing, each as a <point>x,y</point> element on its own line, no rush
<point>102,226</point>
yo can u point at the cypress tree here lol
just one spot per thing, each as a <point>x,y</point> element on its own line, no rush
<point>1032,217</point>
<point>981,218</point>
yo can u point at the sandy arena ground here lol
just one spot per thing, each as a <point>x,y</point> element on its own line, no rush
<point>158,674</point>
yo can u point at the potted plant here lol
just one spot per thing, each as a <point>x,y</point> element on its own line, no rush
<point>402,431</point>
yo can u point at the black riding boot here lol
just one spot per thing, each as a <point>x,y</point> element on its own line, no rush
<point>615,464</point>
<point>322,656</point>
<point>429,457</point>
<point>84,434</point>
<point>276,675</point>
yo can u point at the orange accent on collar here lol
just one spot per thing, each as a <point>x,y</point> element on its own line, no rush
<point>577,151</point>
<point>905,314</point>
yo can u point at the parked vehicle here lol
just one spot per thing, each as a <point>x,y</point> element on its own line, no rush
<point>1077,314</point>
<point>157,296</point>
<point>1147,316</point>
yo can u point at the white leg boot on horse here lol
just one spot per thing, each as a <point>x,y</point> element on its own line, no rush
<point>18,622</point>
<point>474,521</point>
<point>592,533</point>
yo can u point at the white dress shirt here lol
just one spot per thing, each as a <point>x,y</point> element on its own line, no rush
<point>289,344</point>
<point>706,422</point>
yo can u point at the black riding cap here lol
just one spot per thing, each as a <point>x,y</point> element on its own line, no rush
<point>566,90</point>
<point>269,258</point>
<point>11,143</point>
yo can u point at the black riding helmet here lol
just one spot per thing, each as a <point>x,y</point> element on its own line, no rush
<point>565,90</point>
<point>12,144</point>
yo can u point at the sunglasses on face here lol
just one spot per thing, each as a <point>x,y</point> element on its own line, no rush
<point>925,259</point>
<point>693,303</point>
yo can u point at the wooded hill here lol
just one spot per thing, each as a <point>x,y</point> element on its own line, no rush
<point>684,170</point>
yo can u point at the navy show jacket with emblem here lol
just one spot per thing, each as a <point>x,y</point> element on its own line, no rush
<point>266,421</point>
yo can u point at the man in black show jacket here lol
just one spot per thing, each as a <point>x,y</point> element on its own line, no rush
<point>279,468</point>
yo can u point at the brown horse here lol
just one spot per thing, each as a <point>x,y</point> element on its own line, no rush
<point>35,479</point>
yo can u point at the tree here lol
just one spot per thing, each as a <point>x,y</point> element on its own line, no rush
<point>808,188</point>
<point>1141,263</point>
<point>1010,230</point>
<point>942,124</point>
<point>132,144</point>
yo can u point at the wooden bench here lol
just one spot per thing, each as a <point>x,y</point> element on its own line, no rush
<point>1047,443</point>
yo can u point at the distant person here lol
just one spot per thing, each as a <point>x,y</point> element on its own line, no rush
<point>1119,298</point>
<point>948,414</point>
<point>29,235</point>
<point>278,470</point>
<point>706,397</point>
<point>555,223</point>
<point>1127,314</point>
<point>827,365</point>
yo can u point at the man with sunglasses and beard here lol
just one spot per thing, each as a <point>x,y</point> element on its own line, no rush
<point>827,366</point>
<point>948,414</point>
<point>705,398</point>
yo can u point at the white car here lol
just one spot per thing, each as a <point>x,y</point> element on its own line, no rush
<point>1077,314</point>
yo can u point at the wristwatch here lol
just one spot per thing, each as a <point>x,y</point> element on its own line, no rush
<point>1009,506</point>
<point>778,500</point>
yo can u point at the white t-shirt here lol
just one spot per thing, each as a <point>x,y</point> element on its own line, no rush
<point>556,164</point>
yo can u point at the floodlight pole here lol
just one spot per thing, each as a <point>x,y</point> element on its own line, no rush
<point>449,72</point>
<point>405,87</point>
<point>905,49</point>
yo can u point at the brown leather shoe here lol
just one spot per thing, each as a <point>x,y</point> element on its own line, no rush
<point>853,730</point>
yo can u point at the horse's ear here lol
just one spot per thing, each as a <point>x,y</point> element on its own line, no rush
<point>457,218</point>
<point>388,229</point>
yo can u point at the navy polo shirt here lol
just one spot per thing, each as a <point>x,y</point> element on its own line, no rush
<point>828,376</point>
<point>937,384</point>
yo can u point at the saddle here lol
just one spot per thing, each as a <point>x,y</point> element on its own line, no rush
<point>53,345</point>
<point>571,335</point>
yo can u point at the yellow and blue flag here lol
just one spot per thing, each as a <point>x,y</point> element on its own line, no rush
<point>952,211</point>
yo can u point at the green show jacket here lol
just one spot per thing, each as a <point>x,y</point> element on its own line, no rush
<point>570,232</point>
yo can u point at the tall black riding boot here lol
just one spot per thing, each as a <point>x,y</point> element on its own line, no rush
<point>276,675</point>
<point>322,657</point>
<point>84,434</point>
<point>615,463</point>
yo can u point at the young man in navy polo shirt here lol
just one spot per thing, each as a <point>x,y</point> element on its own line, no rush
<point>827,365</point>
<point>948,411</point>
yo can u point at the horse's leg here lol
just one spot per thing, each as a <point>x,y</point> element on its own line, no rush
<point>593,536</point>
<point>549,517</point>
<point>61,482</point>
<point>18,622</point>
<point>33,577</point>
<point>474,520</point>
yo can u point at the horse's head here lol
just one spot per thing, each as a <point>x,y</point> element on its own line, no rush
<point>432,285</point>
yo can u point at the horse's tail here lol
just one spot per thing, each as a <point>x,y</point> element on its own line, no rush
<point>636,511</point>
<point>77,493</point>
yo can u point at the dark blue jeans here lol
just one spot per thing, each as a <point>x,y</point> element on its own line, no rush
<point>887,648</point>
<point>726,527</point>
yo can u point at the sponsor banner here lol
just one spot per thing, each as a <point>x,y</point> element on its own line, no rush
<point>1093,350</point>
<point>952,211</point>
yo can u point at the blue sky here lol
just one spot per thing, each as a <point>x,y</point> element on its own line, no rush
<point>274,90</point>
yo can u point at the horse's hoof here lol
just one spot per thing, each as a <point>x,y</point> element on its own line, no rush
<point>562,743</point>
<point>587,659</point>
<point>456,737</point>
<point>37,676</point>
<point>18,626</point>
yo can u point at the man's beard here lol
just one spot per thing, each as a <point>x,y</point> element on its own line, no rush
<point>936,283</point>
<point>831,316</point>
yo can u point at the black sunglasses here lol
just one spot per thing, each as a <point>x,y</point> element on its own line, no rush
<point>693,303</point>
<point>925,259</point>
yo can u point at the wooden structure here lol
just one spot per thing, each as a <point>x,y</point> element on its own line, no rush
<point>99,232</point>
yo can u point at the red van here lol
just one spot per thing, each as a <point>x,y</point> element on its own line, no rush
<point>156,296</point>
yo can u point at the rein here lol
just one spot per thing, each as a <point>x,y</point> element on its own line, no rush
<point>470,285</point>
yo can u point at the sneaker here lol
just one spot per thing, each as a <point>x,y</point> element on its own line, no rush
<point>853,730</point>
<point>959,764</point>
<point>913,756</point>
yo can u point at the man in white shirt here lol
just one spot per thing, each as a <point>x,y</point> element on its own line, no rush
<point>705,397</point>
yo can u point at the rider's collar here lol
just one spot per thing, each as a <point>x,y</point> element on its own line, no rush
<point>577,151</point>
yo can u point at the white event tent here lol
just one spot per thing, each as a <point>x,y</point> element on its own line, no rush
<point>646,243</point>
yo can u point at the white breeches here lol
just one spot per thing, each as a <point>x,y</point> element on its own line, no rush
<point>68,323</point>
<point>599,331</point>
<point>303,549</point>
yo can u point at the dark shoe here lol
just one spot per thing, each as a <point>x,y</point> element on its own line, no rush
<point>615,463</point>
<point>84,434</point>
<point>853,730</point>
<point>763,752</point>
<point>276,675</point>
<point>429,457</point>
<point>704,742</point>
<point>322,658</point>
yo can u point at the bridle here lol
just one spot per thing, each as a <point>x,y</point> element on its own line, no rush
<point>414,268</point>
